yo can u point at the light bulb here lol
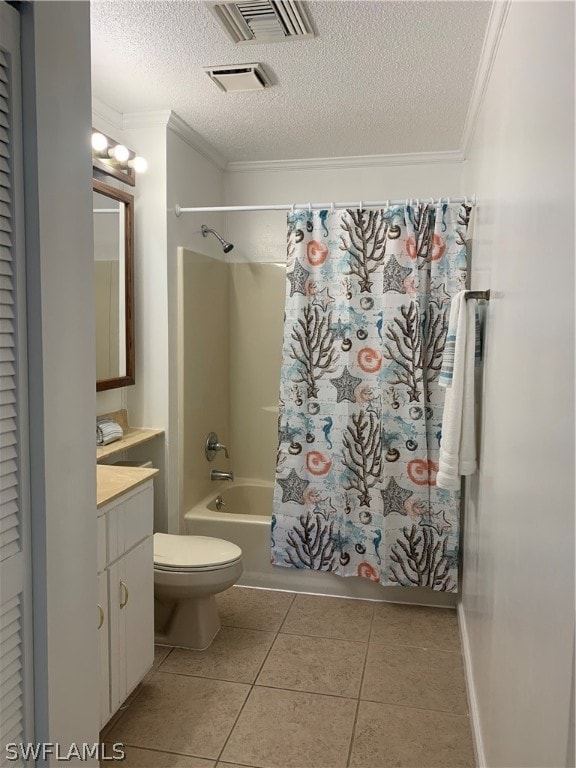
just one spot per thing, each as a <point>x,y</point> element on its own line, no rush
<point>140,164</point>
<point>120,153</point>
<point>99,142</point>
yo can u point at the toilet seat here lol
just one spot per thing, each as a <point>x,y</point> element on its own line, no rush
<point>187,554</point>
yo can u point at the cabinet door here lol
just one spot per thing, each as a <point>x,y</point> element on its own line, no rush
<point>104,643</point>
<point>138,516</point>
<point>137,614</point>
<point>129,520</point>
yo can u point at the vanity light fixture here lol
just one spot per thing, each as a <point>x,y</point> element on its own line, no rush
<point>140,164</point>
<point>114,159</point>
<point>99,142</point>
<point>120,153</point>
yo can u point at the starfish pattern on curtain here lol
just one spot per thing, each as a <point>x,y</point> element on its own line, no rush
<point>367,305</point>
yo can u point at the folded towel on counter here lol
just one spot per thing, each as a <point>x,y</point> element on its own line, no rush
<point>107,431</point>
<point>458,445</point>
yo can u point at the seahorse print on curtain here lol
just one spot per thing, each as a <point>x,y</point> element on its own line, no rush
<point>367,304</point>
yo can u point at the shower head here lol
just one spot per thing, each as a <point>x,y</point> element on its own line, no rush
<point>226,246</point>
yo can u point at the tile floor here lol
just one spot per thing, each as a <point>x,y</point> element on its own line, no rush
<point>301,681</point>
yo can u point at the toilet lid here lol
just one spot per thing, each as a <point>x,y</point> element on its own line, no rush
<point>189,552</point>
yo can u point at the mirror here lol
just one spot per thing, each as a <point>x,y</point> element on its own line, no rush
<point>113,280</point>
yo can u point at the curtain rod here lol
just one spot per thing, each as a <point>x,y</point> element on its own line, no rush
<point>361,204</point>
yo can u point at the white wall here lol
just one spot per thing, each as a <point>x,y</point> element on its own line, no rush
<point>518,594</point>
<point>262,236</point>
<point>56,75</point>
<point>147,399</point>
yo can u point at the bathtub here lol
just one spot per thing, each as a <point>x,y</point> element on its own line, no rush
<point>245,520</point>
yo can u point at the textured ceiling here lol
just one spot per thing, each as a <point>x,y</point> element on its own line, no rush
<point>381,77</point>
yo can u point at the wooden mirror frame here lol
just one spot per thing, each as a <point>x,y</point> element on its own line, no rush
<point>128,200</point>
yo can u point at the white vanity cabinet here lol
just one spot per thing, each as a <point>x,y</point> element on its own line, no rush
<point>126,594</point>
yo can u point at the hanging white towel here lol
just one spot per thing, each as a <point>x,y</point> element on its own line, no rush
<point>458,446</point>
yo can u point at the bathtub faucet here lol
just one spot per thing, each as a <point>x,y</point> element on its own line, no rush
<point>216,474</point>
<point>213,445</point>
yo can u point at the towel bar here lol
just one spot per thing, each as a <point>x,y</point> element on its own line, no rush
<point>483,295</point>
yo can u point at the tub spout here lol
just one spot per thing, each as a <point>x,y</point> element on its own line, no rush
<point>216,474</point>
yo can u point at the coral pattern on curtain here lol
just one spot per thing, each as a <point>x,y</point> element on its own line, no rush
<point>367,305</point>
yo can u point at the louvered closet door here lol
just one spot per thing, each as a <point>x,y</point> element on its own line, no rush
<point>15,561</point>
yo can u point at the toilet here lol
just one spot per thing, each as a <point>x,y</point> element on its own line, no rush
<point>188,572</point>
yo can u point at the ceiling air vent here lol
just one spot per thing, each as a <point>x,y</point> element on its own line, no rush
<point>239,77</point>
<point>263,21</point>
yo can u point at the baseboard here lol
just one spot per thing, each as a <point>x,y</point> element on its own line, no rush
<point>471,690</point>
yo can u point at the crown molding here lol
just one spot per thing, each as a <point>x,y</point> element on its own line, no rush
<point>196,141</point>
<point>496,21</point>
<point>103,111</point>
<point>359,161</point>
<point>143,119</point>
<point>174,123</point>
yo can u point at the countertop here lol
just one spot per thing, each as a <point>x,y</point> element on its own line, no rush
<point>113,481</point>
<point>132,436</point>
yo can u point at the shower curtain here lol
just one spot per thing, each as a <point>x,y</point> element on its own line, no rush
<point>367,303</point>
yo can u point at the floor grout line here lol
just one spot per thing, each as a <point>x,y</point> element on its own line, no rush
<point>233,626</point>
<point>287,612</point>
<point>323,637</point>
<point>420,709</point>
<point>205,677</point>
<point>155,669</point>
<point>312,637</point>
<point>412,647</point>
<point>328,637</point>
<point>256,684</point>
<point>261,667</point>
<point>311,693</point>
<point>126,705</point>
<point>252,686</point>
<point>353,733</point>
<point>113,722</point>
<point>169,752</point>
